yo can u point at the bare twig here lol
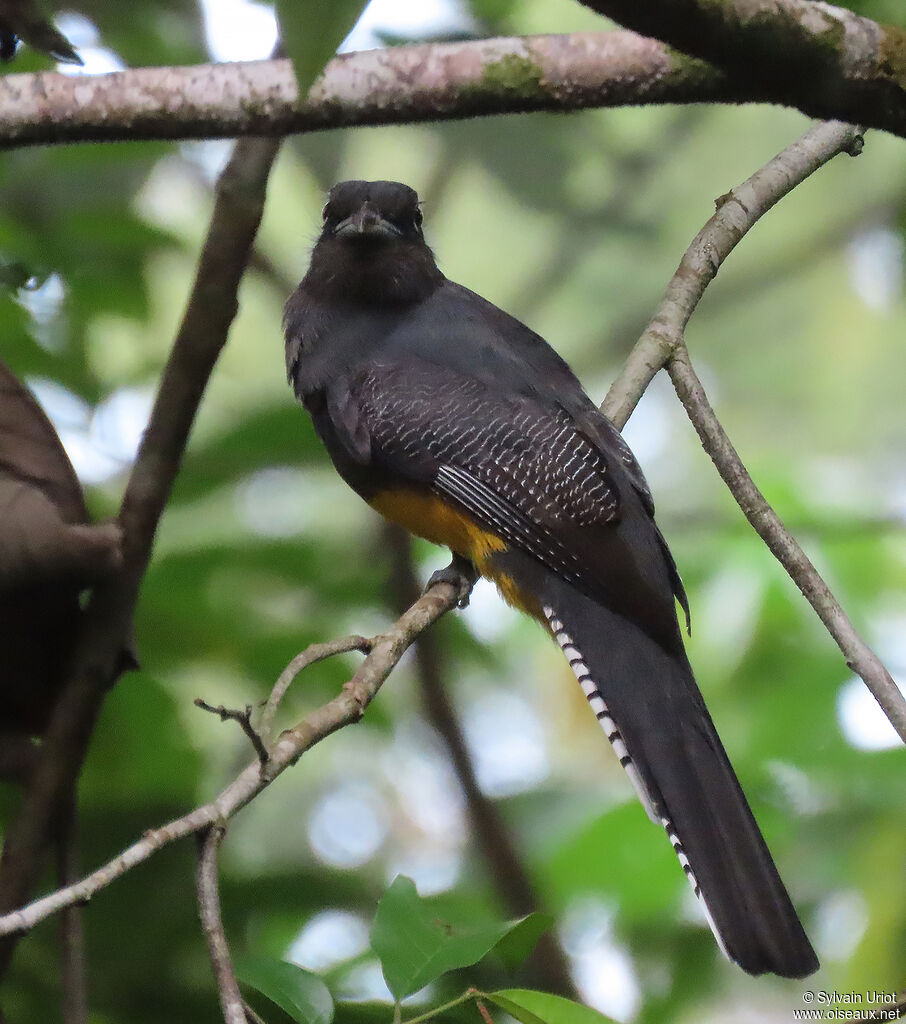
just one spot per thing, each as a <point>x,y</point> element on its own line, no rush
<point>244,718</point>
<point>859,656</point>
<point>202,334</point>
<point>485,1013</point>
<point>311,655</point>
<point>736,212</point>
<point>344,709</point>
<point>212,924</point>
<point>663,344</point>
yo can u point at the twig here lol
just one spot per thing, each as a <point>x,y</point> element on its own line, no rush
<point>859,656</point>
<point>403,84</point>
<point>107,622</point>
<point>211,922</point>
<point>485,1013</point>
<point>736,213</point>
<point>344,709</point>
<point>244,718</point>
<point>663,344</point>
<point>470,993</point>
<point>312,654</point>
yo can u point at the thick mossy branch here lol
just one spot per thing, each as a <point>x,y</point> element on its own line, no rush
<point>825,60</point>
<point>404,84</point>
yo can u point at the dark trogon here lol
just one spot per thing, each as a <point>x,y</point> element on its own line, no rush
<point>452,418</point>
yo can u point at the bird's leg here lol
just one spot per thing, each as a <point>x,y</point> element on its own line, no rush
<point>461,574</point>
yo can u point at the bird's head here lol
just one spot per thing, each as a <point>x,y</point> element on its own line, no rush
<point>371,249</point>
<point>372,213</point>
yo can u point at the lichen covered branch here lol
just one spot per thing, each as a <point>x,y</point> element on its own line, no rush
<point>827,61</point>
<point>403,84</point>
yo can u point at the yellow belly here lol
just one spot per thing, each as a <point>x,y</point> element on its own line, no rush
<point>429,516</point>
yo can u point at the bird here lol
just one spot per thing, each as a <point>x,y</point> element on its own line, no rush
<point>455,420</point>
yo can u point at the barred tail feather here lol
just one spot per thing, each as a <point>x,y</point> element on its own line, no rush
<point>652,712</point>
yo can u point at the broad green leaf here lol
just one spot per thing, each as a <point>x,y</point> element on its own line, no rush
<point>311,32</point>
<point>303,995</point>
<point>533,1007</point>
<point>522,937</point>
<point>416,947</point>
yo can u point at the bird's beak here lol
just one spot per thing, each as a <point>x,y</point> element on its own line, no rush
<point>366,222</point>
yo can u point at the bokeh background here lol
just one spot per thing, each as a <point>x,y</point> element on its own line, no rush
<point>574,224</point>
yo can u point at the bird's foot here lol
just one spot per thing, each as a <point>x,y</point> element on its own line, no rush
<point>461,575</point>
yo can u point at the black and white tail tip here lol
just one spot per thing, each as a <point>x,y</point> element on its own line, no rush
<point>613,734</point>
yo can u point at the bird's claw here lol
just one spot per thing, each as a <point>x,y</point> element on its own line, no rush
<point>460,574</point>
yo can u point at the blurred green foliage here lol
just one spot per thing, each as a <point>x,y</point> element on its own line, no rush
<point>574,223</point>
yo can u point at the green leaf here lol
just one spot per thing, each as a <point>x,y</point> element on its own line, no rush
<point>533,1007</point>
<point>303,995</point>
<point>522,937</point>
<point>312,30</point>
<point>416,947</point>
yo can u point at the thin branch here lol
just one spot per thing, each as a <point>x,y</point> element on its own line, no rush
<point>345,709</point>
<point>736,213</point>
<point>827,61</point>
<point>212,924</point>
<point>312,654</point>
<point>503,859</point>
<point>244,718</point>
<point>663,344</point>
<point>107,622</point>
<point>403,84</point>
<point>859,656</point>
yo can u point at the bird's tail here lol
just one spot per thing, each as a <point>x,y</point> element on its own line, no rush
<point>650,707</point>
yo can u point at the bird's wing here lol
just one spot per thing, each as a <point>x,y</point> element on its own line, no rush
<point>522,469</point>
